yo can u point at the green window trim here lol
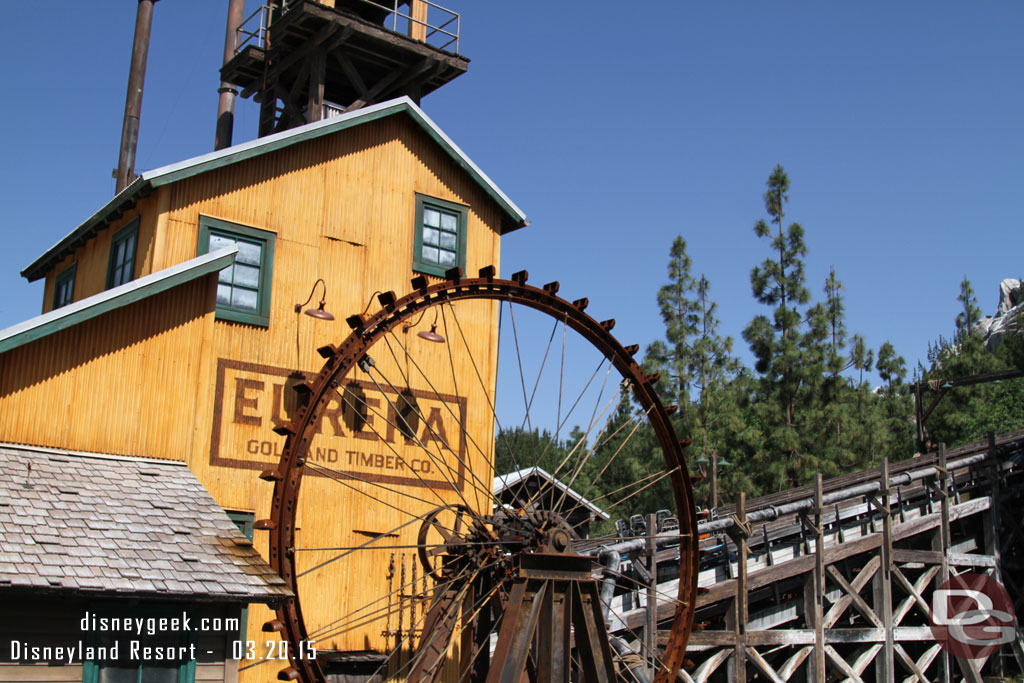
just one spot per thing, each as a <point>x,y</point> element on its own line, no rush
<point>123,247</point>
<point>64,287</point>
<point>230,282</point>
<point>186,668</point>
<point>440,241</point>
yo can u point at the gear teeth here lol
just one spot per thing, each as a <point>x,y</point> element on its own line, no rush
<point>694,478</point>
<point>270,475</point>
<point>265,525</point>
<point>632,349</point>
<point>581,304</point>
<point>387,299</point>
<point>551,288</point>
<point>328,351</point>
<point>608,324</point>
<point>356,322</point>
<point>520,277</point>
<point>453,274</point>
<point>273,626</point>
<point>289,673</point>
<point>671,410</point>
<point>419,283</point>
<point>652,378</point>
<point>488,272</point>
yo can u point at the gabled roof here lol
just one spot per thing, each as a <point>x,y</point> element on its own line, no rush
<point>512,217</point>
<point>115,297</point>
<point>504,482</point>
<point>89,523</point>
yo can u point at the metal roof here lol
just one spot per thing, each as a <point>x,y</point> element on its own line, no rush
<point>103,524</point>
<point>512,217</point>
<point>504,482</point>
<point>116,297</point>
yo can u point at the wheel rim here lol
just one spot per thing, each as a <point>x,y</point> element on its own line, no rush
<point>344,373</point>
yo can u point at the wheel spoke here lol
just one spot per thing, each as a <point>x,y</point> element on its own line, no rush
<point>459,540</point>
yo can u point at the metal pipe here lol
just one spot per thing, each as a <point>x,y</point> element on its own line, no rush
<point>133,100</point>
<point>773,512</point>
<point>610,560</point>
<point>228,91</point>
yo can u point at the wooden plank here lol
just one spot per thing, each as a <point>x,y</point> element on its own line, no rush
<point>838,607</point>
<point>800,565</point>
<point>863,607</point>
<point>739,659</point>
<point>703,672</point>
<point>919,586</point>
<point>867,656</point>
<point>764,666</point>
<point>971,560</point>
<point>883,596</point>
<point>903,556</point>
<point>910,664</point>
<point>796,659</point>
<point>841,664</point>
<point>816,603</point>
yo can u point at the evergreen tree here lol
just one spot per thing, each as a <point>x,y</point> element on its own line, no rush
<point>969,413</point>
<point>779,282</point>
<point>681,315</point>
<point>970,314</point>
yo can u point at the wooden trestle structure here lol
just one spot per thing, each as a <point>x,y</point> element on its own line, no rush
<point>834,581</point>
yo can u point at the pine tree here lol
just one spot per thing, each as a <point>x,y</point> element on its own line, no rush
<point>779,283</point>
<point>970,313</point>
<point>681,315</point>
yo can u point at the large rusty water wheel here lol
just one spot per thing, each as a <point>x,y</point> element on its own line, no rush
<point>406,563</point>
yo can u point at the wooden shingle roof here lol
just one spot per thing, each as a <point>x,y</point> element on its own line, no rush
<point>117,526</point>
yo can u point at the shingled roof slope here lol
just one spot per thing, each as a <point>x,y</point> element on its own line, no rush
<point>76,522</point>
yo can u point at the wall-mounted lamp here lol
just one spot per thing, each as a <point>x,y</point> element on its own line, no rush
<point>319,312</point>
<point>432,335</point>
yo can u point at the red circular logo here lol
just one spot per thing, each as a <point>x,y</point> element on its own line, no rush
<point>972,616</point>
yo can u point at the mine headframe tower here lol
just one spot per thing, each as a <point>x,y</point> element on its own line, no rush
<point>304,60</point>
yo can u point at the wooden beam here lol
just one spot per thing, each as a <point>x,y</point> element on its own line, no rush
<point>764,666</point>
<point>884,592</point>
<point>317,80</point>
<point>842,665</point>
<point>816,605</point>
<point>350,72</point>
<point>741,611</point>
<point>765,577</point>
<point>903,556</point>
<point>861,580</point>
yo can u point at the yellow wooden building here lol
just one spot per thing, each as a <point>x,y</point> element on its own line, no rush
<point>172,323</point>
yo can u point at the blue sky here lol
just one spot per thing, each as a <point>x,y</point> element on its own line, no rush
<point>899,125</point>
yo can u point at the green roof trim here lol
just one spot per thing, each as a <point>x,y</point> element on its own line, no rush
<point>112,299</point>
<point>512,216</point>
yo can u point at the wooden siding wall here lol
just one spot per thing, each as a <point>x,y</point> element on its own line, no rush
<point>123,383</point>
<point>342,208</point>
<point>93,257</point>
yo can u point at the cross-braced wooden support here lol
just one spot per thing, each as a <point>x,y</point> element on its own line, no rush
<point>844,591</point>
<point>314,58</point>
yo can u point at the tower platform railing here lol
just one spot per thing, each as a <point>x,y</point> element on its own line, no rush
<point>421,20</point>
